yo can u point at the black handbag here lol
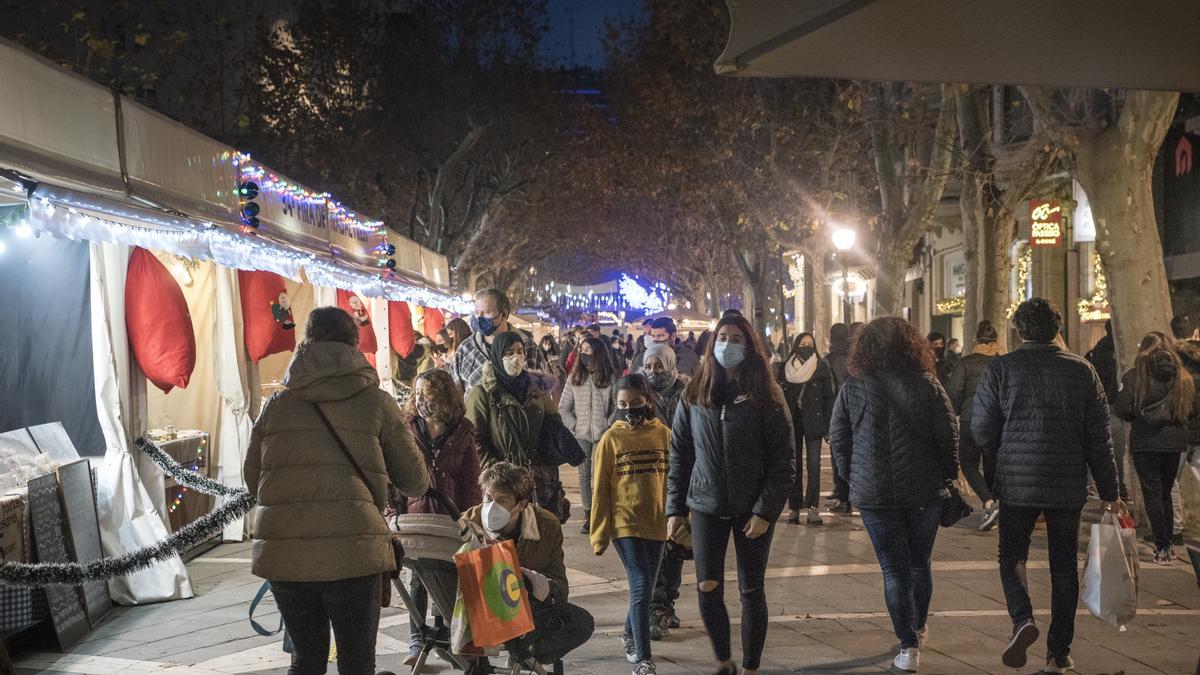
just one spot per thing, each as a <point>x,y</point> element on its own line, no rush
<point>397,547</point>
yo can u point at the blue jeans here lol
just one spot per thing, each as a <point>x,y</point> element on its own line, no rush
<point>903,540</point>
<point>641,558</point>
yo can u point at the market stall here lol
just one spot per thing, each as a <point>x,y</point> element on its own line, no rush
<point>157,280</point>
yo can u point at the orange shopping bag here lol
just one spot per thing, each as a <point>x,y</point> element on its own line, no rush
<point>492,588</point>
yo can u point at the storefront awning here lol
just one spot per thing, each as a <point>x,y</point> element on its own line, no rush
<point>1073,43</point>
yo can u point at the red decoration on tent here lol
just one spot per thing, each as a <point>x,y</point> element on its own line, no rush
<point>158,322</point>
<point>266,314</point>
<point>356,307</point>
<point>434,321</point>
<point>400,328</point>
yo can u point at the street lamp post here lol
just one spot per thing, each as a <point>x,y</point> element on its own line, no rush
<point>843,241</point>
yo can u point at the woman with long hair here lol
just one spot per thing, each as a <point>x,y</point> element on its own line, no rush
<point>732,466</point>
<point>894,438</point>
<point>585,406</point>
<point>807,386</point>
<point>458,331</point>
<point>437,419</point>
<point>1158,396</point>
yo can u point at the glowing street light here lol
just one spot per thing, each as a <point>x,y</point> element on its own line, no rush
<point>843,241</point>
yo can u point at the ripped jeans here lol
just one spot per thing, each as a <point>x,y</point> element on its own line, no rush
<point>710,540</point>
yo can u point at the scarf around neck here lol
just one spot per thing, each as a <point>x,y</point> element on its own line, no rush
<point>798,372</point>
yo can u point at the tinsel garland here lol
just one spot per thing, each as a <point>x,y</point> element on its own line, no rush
<point>203,528</point>
<point>183,475</point>
<point>74,574</point>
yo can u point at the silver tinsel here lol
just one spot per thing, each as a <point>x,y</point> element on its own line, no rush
<point>203,528</point>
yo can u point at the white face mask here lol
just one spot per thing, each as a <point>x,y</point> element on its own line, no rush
<point>514,364</point>
<point>495,517</point>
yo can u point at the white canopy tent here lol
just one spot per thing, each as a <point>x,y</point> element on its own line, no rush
<point>100,168</point>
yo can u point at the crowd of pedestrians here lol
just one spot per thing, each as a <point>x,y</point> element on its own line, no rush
<point>691,443</point>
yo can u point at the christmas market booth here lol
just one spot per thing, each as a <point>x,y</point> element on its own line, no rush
<point>154,283</point>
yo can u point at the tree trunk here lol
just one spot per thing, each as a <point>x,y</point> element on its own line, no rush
<point>891,264</point>
<point>819,312</point>
<point>1128,242</point>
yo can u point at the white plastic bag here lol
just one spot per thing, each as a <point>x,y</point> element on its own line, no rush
<point>1110,576</point>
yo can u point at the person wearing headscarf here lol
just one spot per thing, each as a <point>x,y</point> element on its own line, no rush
<point>506,409</point>
<point>807,384</point>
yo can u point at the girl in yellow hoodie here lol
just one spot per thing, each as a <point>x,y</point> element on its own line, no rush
<point>629,487</point>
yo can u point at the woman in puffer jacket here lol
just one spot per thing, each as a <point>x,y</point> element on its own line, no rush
<point>319,533</point>
<point>585,406</point>
<point>1158,396</point>
<point>894,438</point>
<point>732,466</point>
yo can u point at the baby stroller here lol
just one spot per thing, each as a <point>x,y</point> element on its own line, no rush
<point>430,542</point>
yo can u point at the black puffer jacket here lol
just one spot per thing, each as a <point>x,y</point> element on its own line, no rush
<point>1040,413</point>
<point>895,439</point>
<point>1103,358</point>
<point>965,380</point>
<point>1151,428</point>
<point>810,403</point>
<point>732,460</point>
<point>839,361</point>
<point>1189,353</point>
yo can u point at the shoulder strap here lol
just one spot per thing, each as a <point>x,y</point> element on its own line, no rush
<point>342,445</point>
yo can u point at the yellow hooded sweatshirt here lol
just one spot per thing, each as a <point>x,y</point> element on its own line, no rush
<point>629,483</point>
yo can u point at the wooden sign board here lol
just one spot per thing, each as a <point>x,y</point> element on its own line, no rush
<point>83,528</point>
<point>49,541</point>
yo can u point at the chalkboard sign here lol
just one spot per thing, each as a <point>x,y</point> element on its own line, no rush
<point>84,529</point>
<point>66,606</point>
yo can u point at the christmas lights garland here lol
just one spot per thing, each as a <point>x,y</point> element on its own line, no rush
<point>187,537</point>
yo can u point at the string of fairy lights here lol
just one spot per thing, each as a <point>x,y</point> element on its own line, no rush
<point>177,502</point>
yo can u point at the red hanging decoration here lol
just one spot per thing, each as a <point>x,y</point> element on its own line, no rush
<point>400,328</point>
<point>434,321</point>
<point>158,322</point>
<point>269,325</point>
<point>356,307</point>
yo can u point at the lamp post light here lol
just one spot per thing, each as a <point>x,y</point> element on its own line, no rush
<point>843,241</point>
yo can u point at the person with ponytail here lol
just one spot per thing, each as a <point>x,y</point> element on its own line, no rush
<point>732,467</point>
<point>1158,398</point>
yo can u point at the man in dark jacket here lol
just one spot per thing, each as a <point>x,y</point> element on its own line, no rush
<point>961,387</point>
<point>663,331</point>
<point>1103,357</point>
<point>1040,413</point>
<point>838,361</point>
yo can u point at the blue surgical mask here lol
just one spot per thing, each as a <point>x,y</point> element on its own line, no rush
<point>483,324</point>
<point>729,354</point>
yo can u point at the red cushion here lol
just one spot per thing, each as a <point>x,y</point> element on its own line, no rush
<point>358,308</point>
<point>159,324</point>
<point>434,321</point>
<point>400,328</point>
<point>266,314</point>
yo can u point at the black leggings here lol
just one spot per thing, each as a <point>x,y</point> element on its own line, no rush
<point>1157,472</point>
<point>710,540</point>
<point>806,495</point>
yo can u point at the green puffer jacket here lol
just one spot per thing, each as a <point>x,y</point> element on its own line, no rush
<point>543,555</point>
<point>315,519</point>
<point>507,430</point>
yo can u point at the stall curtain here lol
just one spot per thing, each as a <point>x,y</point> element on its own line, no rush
<point>273,367</point>
<point>353,304</point>
<point>383,353</point>
<point>434,321</point>
<point>128,518</point>
<point>229,363</point>
<point>45,346</point>
<point>400,328</point>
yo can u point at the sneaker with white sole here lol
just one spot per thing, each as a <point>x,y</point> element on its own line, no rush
<point>1024,635</point>
<point>1059,664</point>
<point>630,651</point>
<point>990,515</point>
<point>814,517</point>
<point>645,668</point>
<point>908,660</point>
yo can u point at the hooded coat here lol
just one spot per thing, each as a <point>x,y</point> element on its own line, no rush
<point>315,519</point>
<point>453,464</point>
<point>1151,430</point>
<point>508,430</point>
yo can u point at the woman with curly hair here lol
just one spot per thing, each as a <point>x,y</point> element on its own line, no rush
<point>732,466</point>
<point>894,438</point>
<point>437,418</point>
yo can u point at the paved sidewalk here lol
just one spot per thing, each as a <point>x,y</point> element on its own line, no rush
<point>826,602</point>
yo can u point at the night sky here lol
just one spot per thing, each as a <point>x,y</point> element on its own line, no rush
<point>589,17</point>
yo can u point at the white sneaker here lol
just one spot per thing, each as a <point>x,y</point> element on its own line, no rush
<point>908,660</point>
<point>645,668</point>
<point>628,648</point>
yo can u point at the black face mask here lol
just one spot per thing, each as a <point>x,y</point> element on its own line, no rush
<point>586,360</point>
<point>806,353</point>
<point>635,416</point>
